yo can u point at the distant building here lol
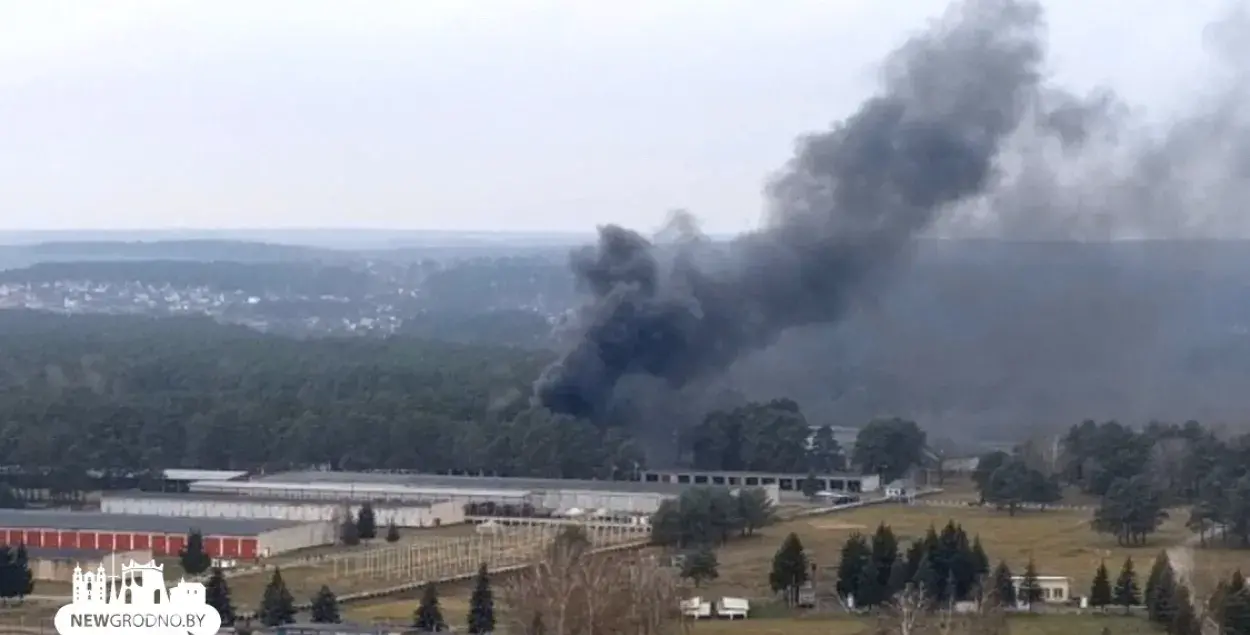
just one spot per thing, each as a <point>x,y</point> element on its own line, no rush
<point>900,489</point>
<point>1055,588</point>
<point>961,465</point>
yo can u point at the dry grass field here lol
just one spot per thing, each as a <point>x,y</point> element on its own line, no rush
<point>453,598</point>
<point>1060,542</point>
<point>1026,625</point>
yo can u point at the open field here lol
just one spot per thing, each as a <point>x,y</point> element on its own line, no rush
<point>455,608</point>
<point>961,488</point>
<point>453,598</point>
<point>1025,625</point>
<point>1060,542</point>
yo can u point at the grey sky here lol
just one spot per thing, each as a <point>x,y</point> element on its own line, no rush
<point>432,114</point>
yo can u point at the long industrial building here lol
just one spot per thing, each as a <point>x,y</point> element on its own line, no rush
<point>162,535</point>
<point>432,513</point>
<point>628,497</point>
<point>841,482</point>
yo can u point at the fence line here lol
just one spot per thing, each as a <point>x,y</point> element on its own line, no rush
<point>1025,506</point>
<point>456,559</point>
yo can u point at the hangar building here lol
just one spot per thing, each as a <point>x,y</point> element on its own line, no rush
<point>432,513</point>
<point>162,535</point>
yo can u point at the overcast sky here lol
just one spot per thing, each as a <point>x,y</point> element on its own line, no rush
<point>493,114</point>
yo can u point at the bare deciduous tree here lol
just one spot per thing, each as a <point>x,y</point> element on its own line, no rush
<point>911,613</point>
<point>571,592</point>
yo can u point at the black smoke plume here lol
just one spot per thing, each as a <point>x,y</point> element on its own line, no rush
<point>845,210</point>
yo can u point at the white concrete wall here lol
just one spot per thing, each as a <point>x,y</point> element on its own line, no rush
<point>590,501</point>
<point>870,483</point>
<point>62,570</point>
<point>298,511</point>
<point>276,541</point>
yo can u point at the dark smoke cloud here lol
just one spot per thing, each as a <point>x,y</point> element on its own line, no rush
<point>1049,323</point>
<point>845,210</point>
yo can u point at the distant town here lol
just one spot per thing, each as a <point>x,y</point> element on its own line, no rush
<point>269,312</point>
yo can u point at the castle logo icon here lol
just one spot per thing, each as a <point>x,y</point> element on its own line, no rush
<point>135,600</point>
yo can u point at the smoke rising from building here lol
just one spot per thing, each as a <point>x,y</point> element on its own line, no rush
<point>964,139</point>
<point>846,208</point>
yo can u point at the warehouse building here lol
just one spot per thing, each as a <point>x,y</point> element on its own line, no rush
<point>626,497</point>
<point>433,513</point>
<point>853,483</point>
<point>51,564</point>
<point>162,535</point>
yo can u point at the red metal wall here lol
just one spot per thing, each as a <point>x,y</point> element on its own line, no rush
<point>160,544</point>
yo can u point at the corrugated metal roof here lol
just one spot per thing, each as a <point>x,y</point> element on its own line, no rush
<point>498,483</point>
<point>97,521</point>
<point>227,497</point>
<point>358,489</point>
<point>203,475</point>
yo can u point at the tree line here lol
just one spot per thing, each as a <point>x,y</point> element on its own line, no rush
<point>114,396</point>
<point>1140,476</point>
<point>90,400</point>
<point>776,437</point>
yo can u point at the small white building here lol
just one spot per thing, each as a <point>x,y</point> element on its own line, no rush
<point>696,608</point>
<point>900,489</point>
<point>733,608</point>
<point>1056,589</point>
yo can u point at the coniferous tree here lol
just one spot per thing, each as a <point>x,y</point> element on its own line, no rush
<point>1100,590</point>
<point>1234,611</point>
<point>899,577</point>
<point>926,578</point>
<point>980,561</point>
<point>869,591</point>
<point>855,556</point>
<point>349,531</point>
<point>366,523</point>
<point>217,595</point>
<point>1127,593</point>
<point>325,607</point>
<point>428,616</point>
<point>1185,618</point>
<point>481,605</point>
<point>790,568</point>
<point>1030,591</point>
<point>700,565</point>
<point>193,558</point>
<point>1150,591</point>
<point>1002,586</point>
<point>1160,603</point>
<point>885,553</point>
<point>392,532</point>
<point>23,581</point>
<point>8,575</point>
<point>915,552</point>
<point>277,606</point>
